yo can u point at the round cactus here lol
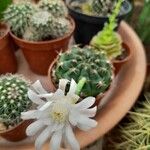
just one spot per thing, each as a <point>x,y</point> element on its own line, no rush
<point>56,7</point>
<point>60,27</point>
<point>85,62</point>
<point>40,26</point>
<point>13,99</point>
<point>18,16</point>
<point>102,7</point>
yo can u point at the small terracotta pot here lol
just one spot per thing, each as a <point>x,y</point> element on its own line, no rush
<point>40,55</point>
<point>17,133</point>
<point>8,62</point>
<point>53,87</point>
<point>119,63</point>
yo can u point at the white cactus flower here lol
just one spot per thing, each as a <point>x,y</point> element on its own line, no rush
<point>57,113</point>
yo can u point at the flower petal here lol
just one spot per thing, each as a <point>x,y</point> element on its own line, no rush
<point>58,95</point>
<point>56,140</point>
<point>62,84</point>
<point>89,112</point>
<point>45,106</point>
<point>73,86</point>
<point>32,114</point>
<point>72,117</point>
<point>85,103</point>
<point>33,128</point>
<point>39,88</point>
<point>87,122</point>
<point>42,138</point>
<point>71,139</point>
<point>34,98</point>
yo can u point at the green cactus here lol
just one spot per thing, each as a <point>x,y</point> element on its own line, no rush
<point>60,27</point>
<point>108,40</point>
<point>56,7</point>
<point>18,16</point>
<point>85,63</point>
<point>102,7</point>
<point>13,99</point>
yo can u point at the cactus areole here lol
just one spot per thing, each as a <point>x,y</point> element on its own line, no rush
<point>79,63</point>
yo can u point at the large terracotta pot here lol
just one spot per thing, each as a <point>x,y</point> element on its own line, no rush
<point>8,62</point>
<point>52,84</point>
<point>17,133</point>
<point>40,55</point>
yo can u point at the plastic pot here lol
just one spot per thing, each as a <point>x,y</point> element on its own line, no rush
<point>17,133</point>
<point>88,26</point>
<point>8,62</point>
<point>40,55</point>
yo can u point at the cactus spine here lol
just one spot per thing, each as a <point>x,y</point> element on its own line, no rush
<point>79,63</point>
<point>108,40</point>
<point>13,99</point>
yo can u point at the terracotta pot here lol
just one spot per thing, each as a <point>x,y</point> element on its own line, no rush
<point>8,62</point>
<point>119,63</point>
<point>40,55</point>
<point>52,85</point>
<point>17,133</point>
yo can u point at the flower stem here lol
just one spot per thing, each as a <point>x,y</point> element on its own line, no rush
<point>80,85</point>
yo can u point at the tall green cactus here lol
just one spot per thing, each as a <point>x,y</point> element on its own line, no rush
<point>88,63</point>
<point>13,99</point>
<point>108,40</point>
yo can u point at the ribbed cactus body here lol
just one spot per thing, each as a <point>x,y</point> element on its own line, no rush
<point>86,62</point>
<point>102,7</point>
<point>110,44</point>
<point>18,16</point>
<point>13,99</point>
<point>56,7</point>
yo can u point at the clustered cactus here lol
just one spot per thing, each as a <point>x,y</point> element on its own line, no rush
<point>98,7</point>
<point>133,133</point>
<point>88,63</point>
<point>18,17</point>
<point>108,40</point>
<point>13,99</point>
<point>44,21</point>
<point>103,7</point>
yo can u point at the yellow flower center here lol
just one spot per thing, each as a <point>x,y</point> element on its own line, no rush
<point>59,112</point>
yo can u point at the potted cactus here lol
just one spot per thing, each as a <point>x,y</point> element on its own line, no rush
<point>78,63</point>
<point>41,30</point>
<point>8,63</point>
<point>90,16</point>
<point>110,42</point>
<point>13,101</point>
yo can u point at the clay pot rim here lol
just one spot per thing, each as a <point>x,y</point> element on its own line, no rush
<point>49,41</point>
<point>128,57</point>
<point>53,88</point>
<point>6,30</point>
<point>11,129</point>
